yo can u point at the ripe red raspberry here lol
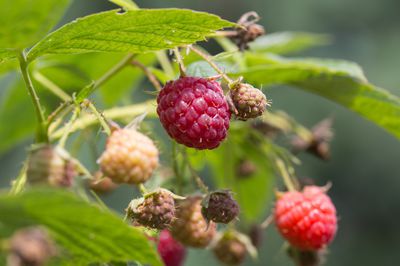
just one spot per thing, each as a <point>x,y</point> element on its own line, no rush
<point>130,157</point>
<point>189,227</point>
<point>220,207</point>
<point>306,219</point>
<point>48,165</point>
<point>194,112</point>
<point>247,101</point>
<point>230,250</point>
<point>170,250</point>
<point>156,210</point>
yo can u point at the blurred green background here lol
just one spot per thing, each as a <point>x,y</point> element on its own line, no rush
<point>364,168</point>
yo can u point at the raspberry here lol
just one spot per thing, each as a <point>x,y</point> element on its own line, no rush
<point>130,157</point>
<point>230,250</point>
<point>101,184</point>
<point>189,227</point>
<point>48,165</point>
<point>247,101</point>
<point>194,112</point>
<point>306,219</point>
<point>156,210</point>
<point>30,246</point>
<point>170,250</point>
<point>220,207</point>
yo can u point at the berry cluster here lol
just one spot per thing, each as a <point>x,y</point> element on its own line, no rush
<point>195,112</point>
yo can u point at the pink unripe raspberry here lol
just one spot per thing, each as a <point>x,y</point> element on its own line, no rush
<point>194,112</point>
<point>306,219</point>
<point>170,250</point>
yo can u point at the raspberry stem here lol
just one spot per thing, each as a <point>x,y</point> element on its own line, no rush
<point>212,64</point>
<point>267,222</point>
<point>175,167</point>
<point>113,71</point>
<point>197,179</point>
<point>127,112</point>
<point>51,86</point>
<point>101,118</point>
<point>41,134</point>
<point>178,56</point>
<point>142,189</point>
<point>151,77</point>
<point>68,127</point>
<point>165,64</point>
<point>19,182</point>
<point>285,175</point>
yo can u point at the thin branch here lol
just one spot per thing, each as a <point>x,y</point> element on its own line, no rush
<point>41,131</point>
<point>212,64</point>
<point>51,86</point>
<point>142,189</point>
<point>113,71</point>
<point>56,113</point>
<point>182,69</point>
<point>203,187</point>
<point>152,78</point>
<point>267,222</point>
<point>128,112</point>
<point>68,127</point>
<point>101,118</point>
<point>285,175</point>
<point>165,64</point>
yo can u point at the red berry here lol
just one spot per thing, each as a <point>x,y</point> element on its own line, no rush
<point>306,219</point>
<point>194,112</point>
<point>170,250</point>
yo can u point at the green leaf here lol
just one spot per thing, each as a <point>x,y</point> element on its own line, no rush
<point>77,71</point>
<point>23,22</point>
<point>341,82</point>
<point>288,42</point>
<point>20,125</point>
<point>84,233</point>
<point>6,53</point>
<point>135,31</point>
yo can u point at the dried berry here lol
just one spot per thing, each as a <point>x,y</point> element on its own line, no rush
<point>230,250</point>
<point>318,142</point>
<point>155,210</point>
<point>220,207</point>
<point>249,30</point>
<point>194,112</point>
<point>190,228</point>
<point>130,157</point>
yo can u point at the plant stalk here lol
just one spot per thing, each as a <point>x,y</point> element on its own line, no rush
<point>212,64</point>
<point>41,134</point>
